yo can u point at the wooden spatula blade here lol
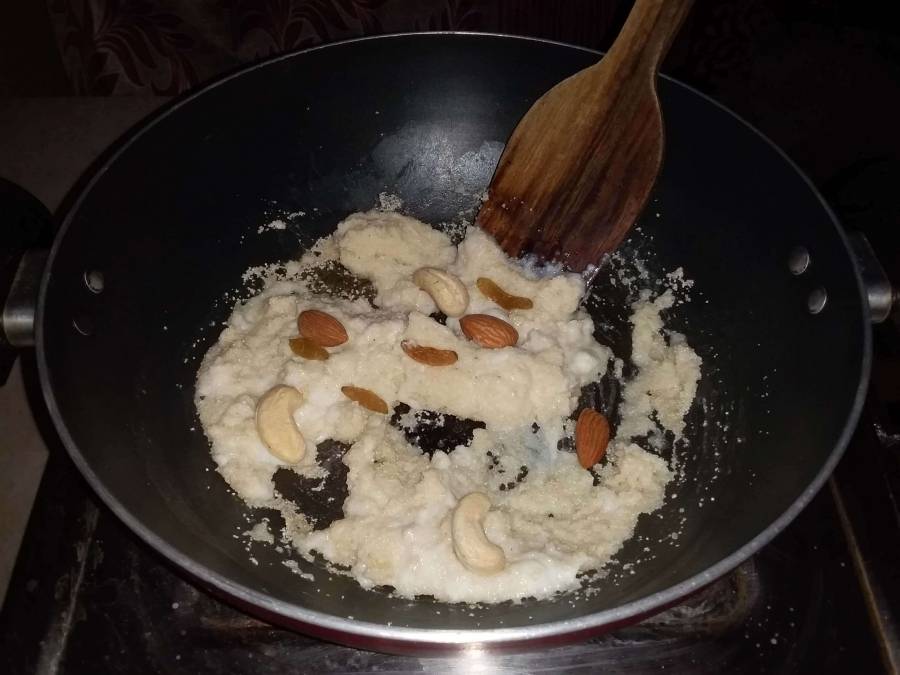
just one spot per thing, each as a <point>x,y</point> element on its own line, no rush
<point>578,169</point>
<point>567,189</point>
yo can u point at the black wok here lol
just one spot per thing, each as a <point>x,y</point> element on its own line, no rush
<point>170,222</point>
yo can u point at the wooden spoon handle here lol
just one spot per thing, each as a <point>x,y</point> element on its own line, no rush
<point>646,36</point>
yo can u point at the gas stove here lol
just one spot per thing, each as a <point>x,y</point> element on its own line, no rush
<point>87,596</point>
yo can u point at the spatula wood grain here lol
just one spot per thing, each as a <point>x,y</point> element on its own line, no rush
<point>579,167</point>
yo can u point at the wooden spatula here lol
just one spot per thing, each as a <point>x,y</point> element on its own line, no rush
<point>578,168</point>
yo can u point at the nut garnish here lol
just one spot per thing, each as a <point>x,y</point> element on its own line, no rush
<point>591,437</point>
<point>447,291</point>
<point>470,544</point>
<point>367,399</point>
<point>430,356</point>
<point>488,331</point>
<point>275,423</point>
<point>307,349</point>
<point>507,301</point>
<point>321,328</point>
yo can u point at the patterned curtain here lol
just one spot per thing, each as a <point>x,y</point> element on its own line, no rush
<point>169,46</point>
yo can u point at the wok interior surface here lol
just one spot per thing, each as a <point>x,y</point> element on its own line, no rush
<point>172,224</point>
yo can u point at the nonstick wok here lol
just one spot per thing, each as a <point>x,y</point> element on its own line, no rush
<point>143,270</point>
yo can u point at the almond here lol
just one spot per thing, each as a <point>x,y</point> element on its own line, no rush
<point>367,399</point>
<point>321,328</point>
<point>507,301</point>
<point>306,348</point>
<point>430,356</point>
<point>591,437</point>
<point>488,331</point>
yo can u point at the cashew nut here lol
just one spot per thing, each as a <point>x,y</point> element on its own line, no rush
<point>447,291</point>
<point>470,544</point>
<point>275,423</point>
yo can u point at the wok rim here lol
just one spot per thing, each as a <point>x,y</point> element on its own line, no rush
<point>349,628</point>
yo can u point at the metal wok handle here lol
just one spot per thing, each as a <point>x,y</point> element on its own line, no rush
<point>881,295</point>
<point>26,229</point>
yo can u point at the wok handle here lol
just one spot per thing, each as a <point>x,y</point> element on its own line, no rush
<point>882,296</point>
<point>26,229</point>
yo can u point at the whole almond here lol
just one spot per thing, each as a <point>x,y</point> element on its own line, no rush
<point>430,356</point>
<point>321,328</point>
<point>507,301</point>
<point>367,399</point>
<point>307,349</point>
<point>591,437</point>
<point>447,291</point>
<point>488,331</point>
